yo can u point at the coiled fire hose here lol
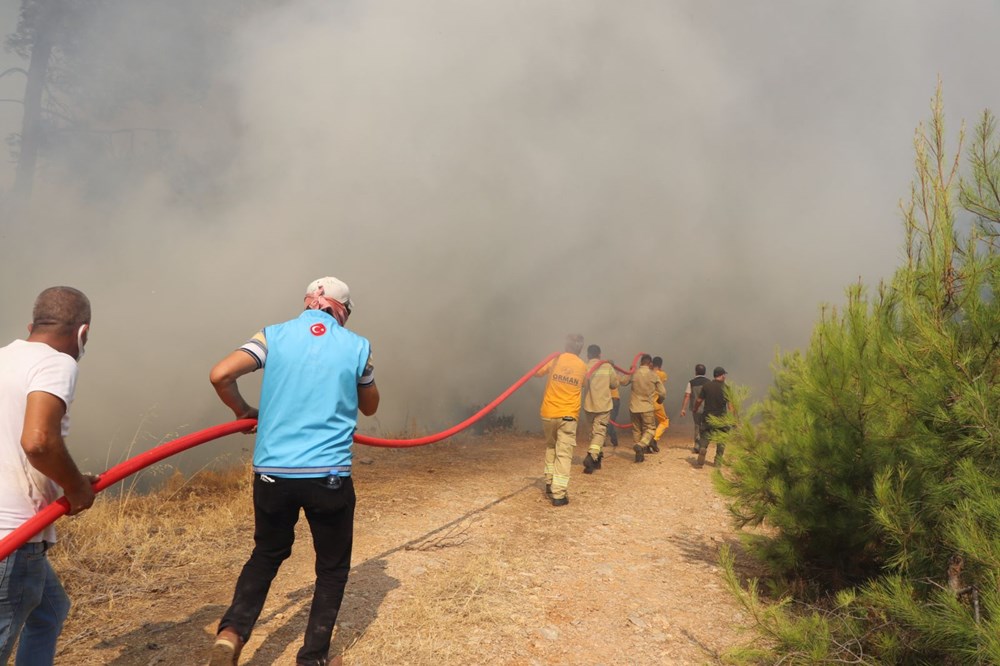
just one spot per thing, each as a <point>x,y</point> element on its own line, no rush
<point>60,507</point>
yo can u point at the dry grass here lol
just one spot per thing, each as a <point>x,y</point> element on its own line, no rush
<point>130,549</point>
<point>446,572</point>
<point>451,615</point>
<point>132,552</point>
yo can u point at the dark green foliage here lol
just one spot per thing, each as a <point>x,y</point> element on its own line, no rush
<point>875,458</point>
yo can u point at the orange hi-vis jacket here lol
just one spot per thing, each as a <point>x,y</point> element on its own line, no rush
<point>564,388</point>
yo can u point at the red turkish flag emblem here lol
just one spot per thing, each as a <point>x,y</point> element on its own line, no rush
<point>317,329</point>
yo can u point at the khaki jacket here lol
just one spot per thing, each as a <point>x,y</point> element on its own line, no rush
<point>646,385</point>
<point>599,386</point>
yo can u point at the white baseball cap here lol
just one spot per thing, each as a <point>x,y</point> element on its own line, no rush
<point>332,288</point>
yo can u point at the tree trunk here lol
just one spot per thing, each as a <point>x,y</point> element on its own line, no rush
<point>31,124</point>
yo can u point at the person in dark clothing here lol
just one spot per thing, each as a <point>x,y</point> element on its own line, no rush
<point>715,398</point>
<point>691,394</point>
<point>317,376</point>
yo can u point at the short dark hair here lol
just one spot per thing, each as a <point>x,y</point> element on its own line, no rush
<point>61,309</point>
<point>645,358</point>
<point>657,361</point>
<point>699,369</point>
<point>593,351</point>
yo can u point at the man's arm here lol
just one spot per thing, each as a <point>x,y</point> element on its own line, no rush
<point>224,376</point>
<point>684,403</point>
<point>661,391</point>
<point>613,382</point>
<point>368,399</point>
<point>727,392</point>
<point>545,369</point>
<point>46,451</point>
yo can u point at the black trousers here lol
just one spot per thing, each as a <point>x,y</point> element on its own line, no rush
<point>330,512</point>
<point>699,426</point>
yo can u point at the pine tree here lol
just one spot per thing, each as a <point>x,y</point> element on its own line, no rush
<point>875,458</point>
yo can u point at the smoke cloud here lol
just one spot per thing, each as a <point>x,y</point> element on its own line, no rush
<point>690,179</point>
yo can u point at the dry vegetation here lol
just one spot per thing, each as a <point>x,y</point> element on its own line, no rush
<point>458,559</point>
<point>473,594</point>
<point>132,550</point>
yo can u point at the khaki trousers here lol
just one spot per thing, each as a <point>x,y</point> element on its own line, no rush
<point>643,427</point>
<point>560,440</point>
<point>598,424</point>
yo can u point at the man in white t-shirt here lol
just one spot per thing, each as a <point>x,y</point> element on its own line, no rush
<point>37,383</point>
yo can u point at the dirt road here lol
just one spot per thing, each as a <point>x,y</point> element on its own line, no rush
<point>460,559</point>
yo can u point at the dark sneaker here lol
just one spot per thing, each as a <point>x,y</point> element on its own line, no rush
<point>600,457</point>
<point>639,457</point>
<point>589,464</point>
<point>560,501</point>
<point>548,490</point>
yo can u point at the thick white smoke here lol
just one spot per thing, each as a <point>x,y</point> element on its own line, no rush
<point>690,179</point>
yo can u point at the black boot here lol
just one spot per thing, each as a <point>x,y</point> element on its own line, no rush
<point>600,457</point>
<point>654,447</point>
<point>639,457</point>
<point>589,464</point>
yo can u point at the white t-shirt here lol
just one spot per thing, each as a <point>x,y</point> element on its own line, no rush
<point>26,367</point>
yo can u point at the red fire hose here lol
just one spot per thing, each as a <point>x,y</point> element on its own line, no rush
<point>430,439</point>
<point>60,507</point>
<point>49,514</point>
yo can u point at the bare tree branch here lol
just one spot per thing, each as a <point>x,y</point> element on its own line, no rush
<point>12,70</point>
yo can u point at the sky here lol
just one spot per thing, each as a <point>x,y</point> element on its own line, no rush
<point>689,179</point>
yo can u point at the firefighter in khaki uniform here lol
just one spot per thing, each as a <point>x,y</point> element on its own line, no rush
<point>647,391</point>
<point>560,409</point>
<point>662,420</point>
<point>597,406</point>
